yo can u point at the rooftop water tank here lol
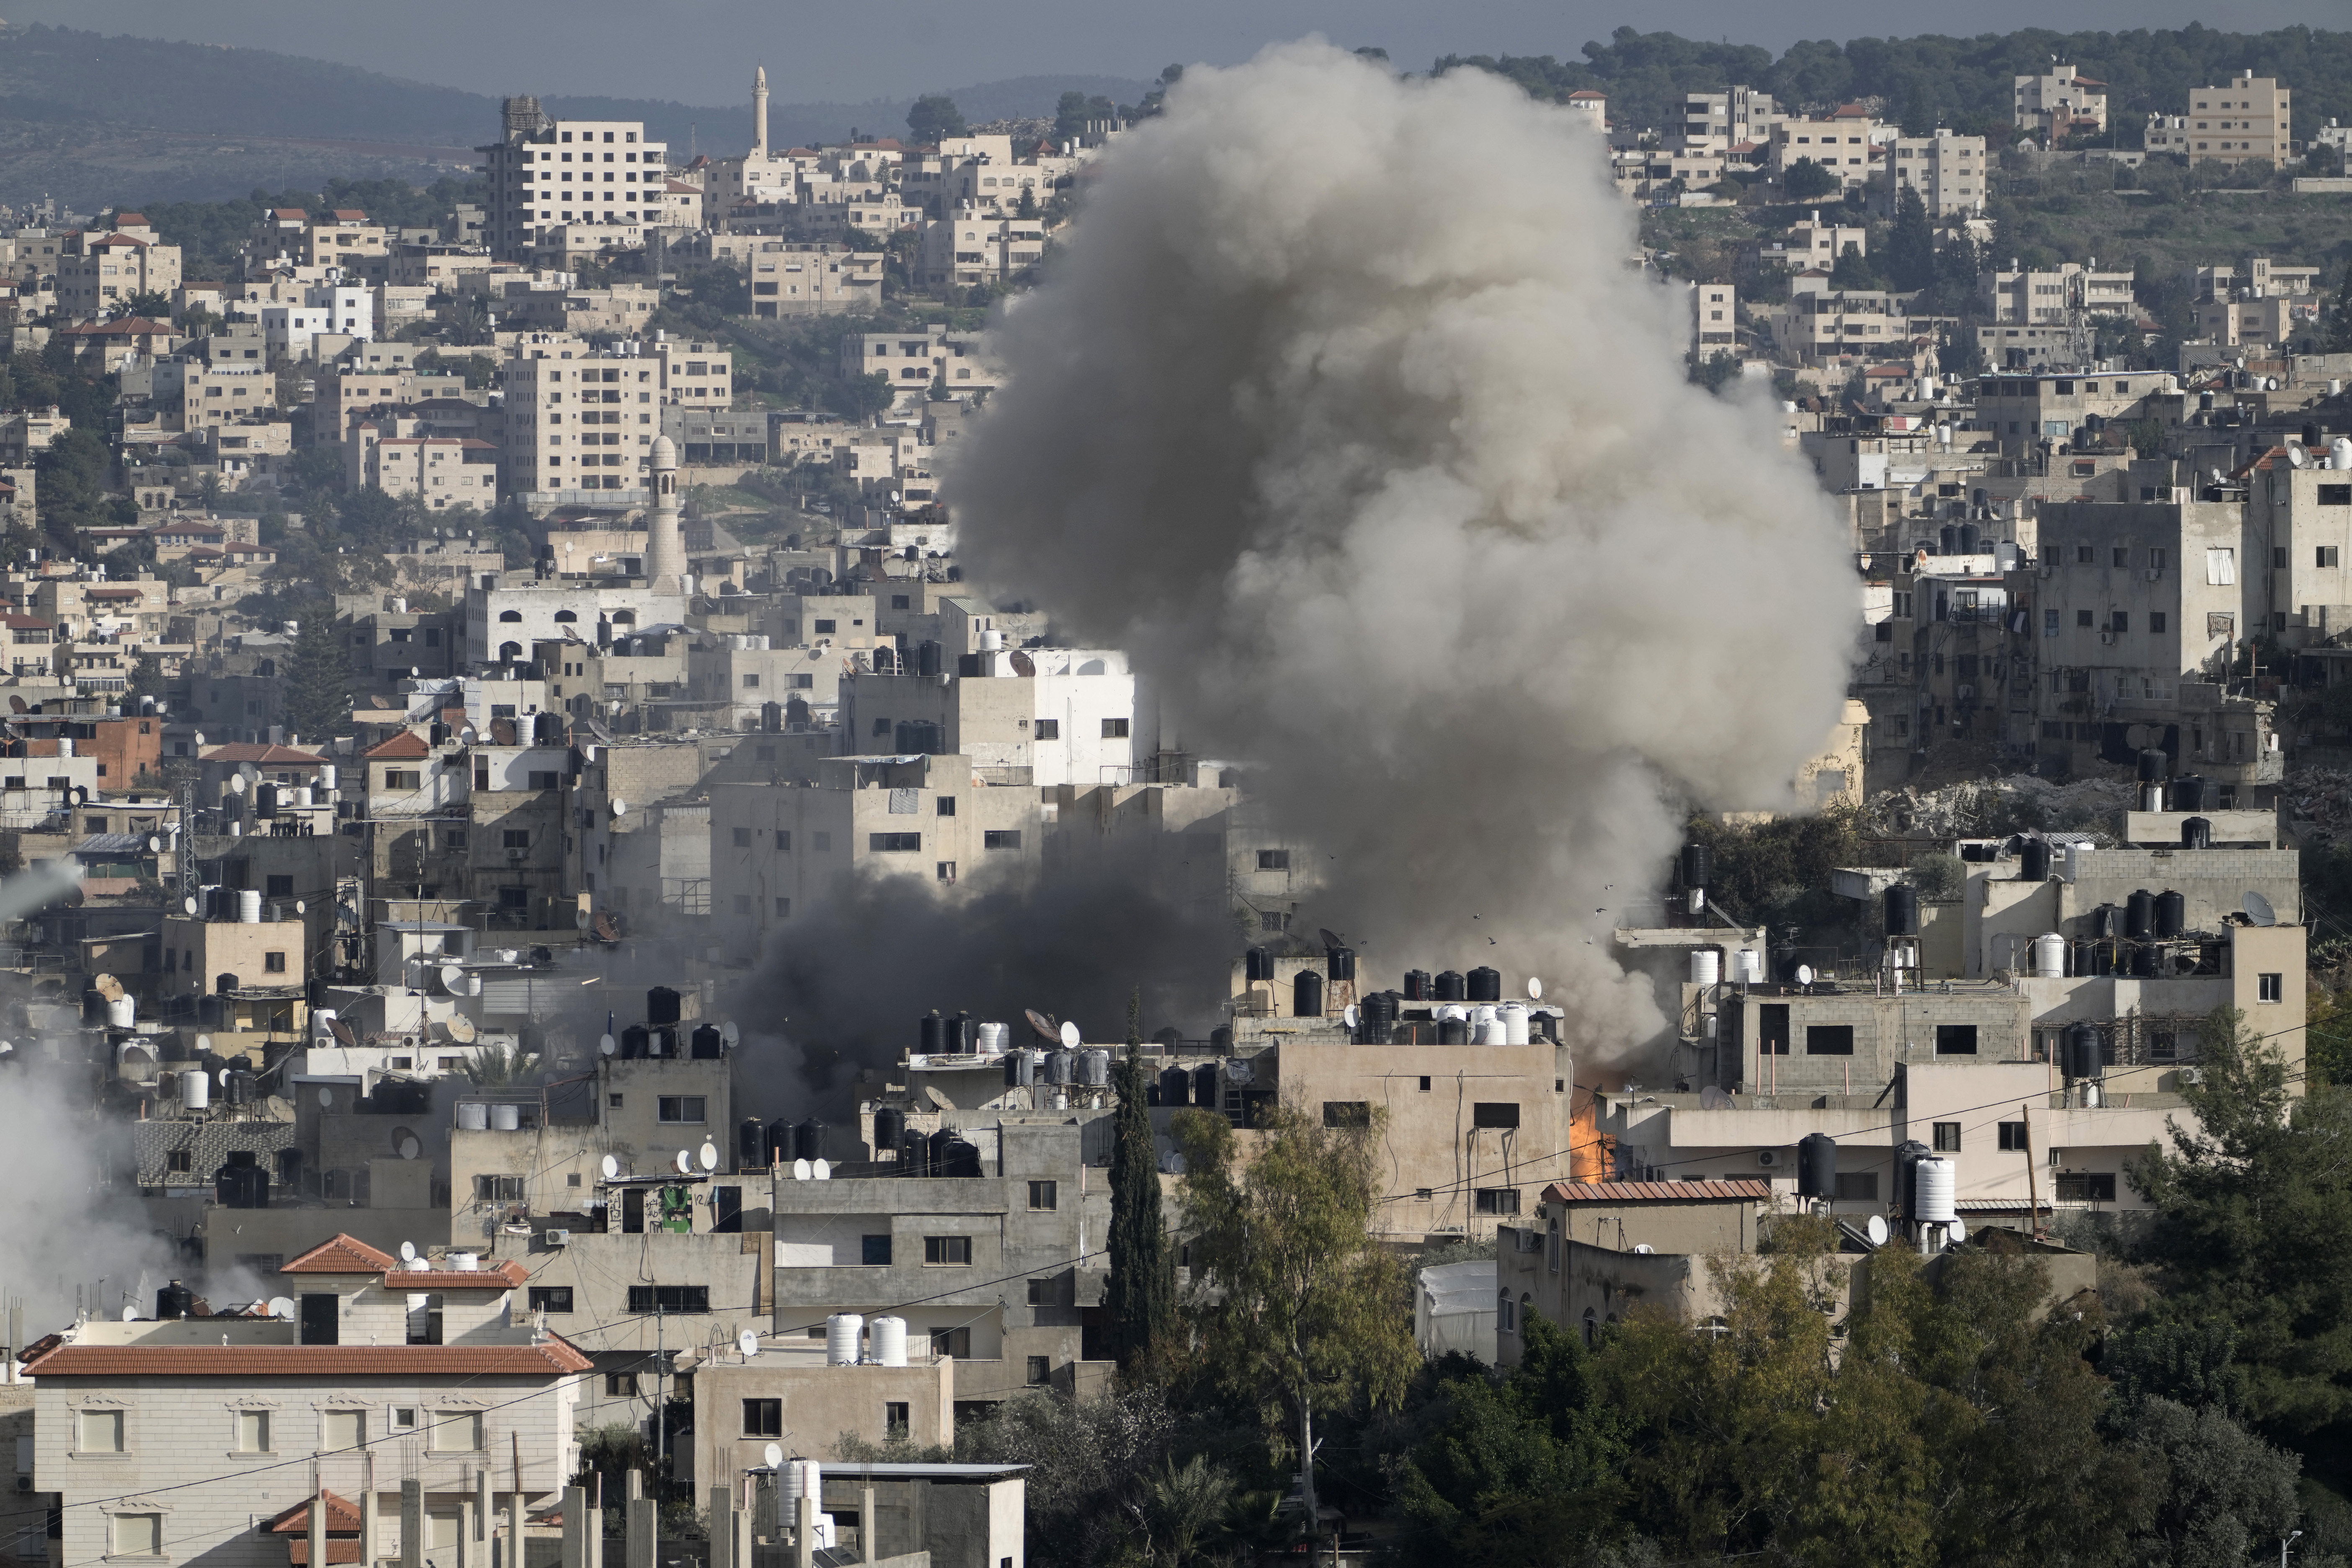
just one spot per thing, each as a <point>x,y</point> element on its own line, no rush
<point>2172,914</point>
<point>1706,965</point>
<point>841,1335</point>
<point>2033,861</point>
<point>1306,994</point>
<point>2139,915</point>
<point>2049,956</point>
<point>1094,1068</point>
<point>1451,987</point>
<point>473,1116</point>
<point>1935,1185</point>
<point>506,1117</point>
<point>889,1341</point>
<point>1902,909</point>
<point>1817,1166</point>
<point>889,1126</point>
<point>1484,984</point>
<point>1418,986</point>
<point>2197,833</point>
<point>1175,1087</point>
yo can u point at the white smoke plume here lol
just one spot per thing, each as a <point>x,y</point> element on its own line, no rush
<point>1345,413</point>
<point>73,1237</point>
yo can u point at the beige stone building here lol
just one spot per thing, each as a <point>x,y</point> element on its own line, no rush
<point>2061,103</point>
<point>2248,117</point>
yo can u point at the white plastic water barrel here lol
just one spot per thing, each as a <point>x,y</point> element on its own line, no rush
<point>1482,1014</point>
<point>506,1117</point>
<point>1935,1186</point>
<point>1514,1023</point>
<point>993,1037</point>
<point>248,906</point>
<point>841,1331</point>
<point>122,1012</point>
<point>992,642</point>
<point>1706,966</point>
<point>303,797</point>
<point>890,1341</point>
<point>473,1116</point>
<point>794,1476</point>
<point>196,1089</point>
<point>1451,1012</point>
<point>466,1262</point>
<point>2049,955</point>
<point>1747,965</point>
<point>327,776</point>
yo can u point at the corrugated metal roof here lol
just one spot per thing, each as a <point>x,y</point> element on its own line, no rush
<point>1998,1205</point>
<point>112,844</point>
<point>207,1145</point>
<point>1657,1191</point>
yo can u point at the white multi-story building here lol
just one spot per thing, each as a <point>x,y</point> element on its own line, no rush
<point>2060,103</point>
<point>1948,170</point>
<point>914,360</point>
<point>1849,143</point>
<point>2252,117</point>
<point>1719,122</point>
<point>1715,317</point>
<point>600,181</point>
<point>2023,297</point>
<point>578,418</point>
<point>975,245</point>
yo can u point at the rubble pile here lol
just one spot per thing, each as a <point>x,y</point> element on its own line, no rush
<point>2014,803</point>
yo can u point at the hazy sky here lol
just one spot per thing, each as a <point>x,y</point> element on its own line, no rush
<point>698,51</point>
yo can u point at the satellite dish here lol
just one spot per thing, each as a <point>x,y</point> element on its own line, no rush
<point>203,1044</point>
<point>749,1343</point>
<point>188,906</point>
<point>684,1164</point>
<point>611,1167</point>
<point>606,1044</point>
<point>1804,974</point>
<point>450,975</point>
<point>1349,1015</point>
<point>467,735</point>
<point>282,1308</point>
<point>708,1156</point>
<point>580,918</point>
<point>155,845</point>
<point>1022,664</point>
<point>1042,1025</point>
<point>107,986</point>
<point>301,907</point>
<point>461,1028</point>
<point>130,1312</point>
<point>801,1171</point>
<point>1642,1249</point>
<point>410,1148</point>
<point>1069,1035</point>
<point>237,784</point>
<point>1331,938</point>
<point>1876,1228</point>
<point>730,1033</point>
<point>1711,1097</point>
<point>326,1098</point>
<point>620,807</point>
<point>1535,989</point>
<point>408,1252</point>
<point>2258,910</point>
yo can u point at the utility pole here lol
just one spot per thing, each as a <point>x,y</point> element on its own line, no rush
<point>2032,1195</point>
<point>661,1401</point>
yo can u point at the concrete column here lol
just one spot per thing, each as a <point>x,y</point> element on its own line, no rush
<point>575,1527</point>
<point>412,1523</point>
<point>642,1526</point>
<point>318,1529</point>
<point>514,1526</point>
<point>869,1549</point>
<point>804,1534</point>
<point>745,1523</point>
<point>369,1548</point>
<point>722,1529</point>
<point>482,1509</point>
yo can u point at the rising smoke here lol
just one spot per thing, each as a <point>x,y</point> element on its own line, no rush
<point>1346,412</point>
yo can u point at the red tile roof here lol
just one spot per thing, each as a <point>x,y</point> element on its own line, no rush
<point>505,1276</point>
<point>1746,1187</point>
<point>549,1358</point>
<point>340,1548</point>
<point>341,1253</point>
<point>340,1516</point>
<point>406,746</point>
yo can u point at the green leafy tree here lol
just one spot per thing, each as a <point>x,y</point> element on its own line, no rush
<point>319,679</point>
<point>861,397</point>
<point>1298,1310</point>
<point>1853,270</point>
<point>2339,315</point>
<point>1139,1296</point>
<point>934,118</point>
<point>1807,181</point>
<point>1911,244</point>
<point>2222,1494</point>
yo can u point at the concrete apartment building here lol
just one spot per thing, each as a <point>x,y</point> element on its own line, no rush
<point>1076,716</point>
<point>1814,244</point>
<point>973,246</point>
<point>1824,325</point>
<point>97,271</point>
<point>1849,143</point>
<point>2023,412</point>
<point>599,182</point>
<point>578,418</point>
<point>441,1393</point>
<point>1949,171</point>
<point>1719,122</point>
<point>2061,103</point>
<point>1715,318</point>
<point>2018,296</point>
<point>2248,117</point>
<point>795,277</point>
<point>440,472</point>
<point>914,361</point>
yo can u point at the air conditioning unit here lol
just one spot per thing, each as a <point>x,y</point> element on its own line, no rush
<point>24,1483</point>
<point>2192,1075</point>
<point>558,1237</point>
<point>1768,1158</point>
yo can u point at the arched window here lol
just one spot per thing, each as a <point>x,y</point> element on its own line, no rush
<point>1503,1310</point>
<point>510,650</point>
<point>624,617</point>
<point>1591,1329</point>
<point>1552,1245</point>
<point>566,617</point>
<point>510,617</point>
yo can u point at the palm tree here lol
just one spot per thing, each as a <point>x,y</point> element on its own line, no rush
<point>497,1066</point>
<point>1186,1502</point>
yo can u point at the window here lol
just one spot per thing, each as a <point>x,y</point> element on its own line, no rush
<point>1347,1113</point>
<point>742,838</point>
<point>1499,1200</point>
<point>425,1321</point>
<point>669,1297</point>
<point>2271,987</point>
<point>180,1158</point>
<point>279,888</point>
<point>498,1189</point>
<point>1828,1039</point>
<point>2155,622</point>
<point>1044,1293</point>
<point>399,778</point>
<point>1955,1040</point>
<point>1857,1187</point>
<point>680,1108</point>
<point>273,963</point>
<point>620,1385</point>
<point>945,870</point>
<point>1000,838</point>
<point>1503,1319</point>
<point>2013,1137</point>
<point>763,1418</point>
<point>1495,1114</point>
<point>2085,555</point>
<point>948,1250</point>
<point>2120,622</point>
<point>550,1298</point>
<point>98,1432</point>
<point>873,1251</point>
<point>253,1431</point>
<point>1114,730</point>
<point>945,805</point>
<point>2335,495</point>
<point>894,843</point>
<point>2278,557</point>
<point>1274,860</point>
<point>956,1342</point>
<point>457,1432</point>
<point>823,627</point>
<point>2086,1187</point>
<point>136,1535</point>
<point>341,1429</point>
<point>2329,556</point>
<point>1045,1195</point>
<point>1772,1028</point>
<point>1041,1371</point>
<point>752,681</point>
<point>1049,729</point>
<point>894,1419</point>
<point>1946,1136</point>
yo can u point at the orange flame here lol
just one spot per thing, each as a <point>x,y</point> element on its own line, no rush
<point>1588,1151</point>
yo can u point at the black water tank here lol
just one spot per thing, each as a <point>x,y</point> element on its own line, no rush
<point>1949,537</point>
<point>1020,1067</point>
<point>931,1033</point>
<point>265,799</point>
<point>1175,1087</point>
<point>1306,994</point>
<point>752,1143</point>
<point>927,660</point>
<point>174,1300</point>
<point>1450,986</point>
<point>952,1033</point>
<point>1340,963</point>
<point>2172,914</point>
<point>1544,1026</point>
<point>1454,1031</point>
<point>2148,962</point>
<point>961,1159</point>
<point>2105,923</point>
<point>889,1127</point>
<point>1257,964</point>
<point>706,1044</point>
<point>636,1042</point>
<point>1817,1166</point>
<point>964,1034</point>
<point>2079,957</point>
<point>2139,915</point>
<point>914,1151</point>
<point>2033,861</point>
<point>1417,985</point>
<point>772,717</point>
<point>1205,1086</point>
<point>1377,1012</point>
<point>1970,539</point>
<point>779,1141</point>
<point>2152,765</point>
<point>1698,865</point>
<point>2079,1052</point>
<point>2197,833</point>
<point>1902,909</point>
<point>661,1006</point>
<point>808,1140</point>
<point>1486,984</point>
<point>2188,793</point>
<point>940,1141</point>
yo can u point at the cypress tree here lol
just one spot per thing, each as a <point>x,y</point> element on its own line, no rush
<point>1140,1292</point>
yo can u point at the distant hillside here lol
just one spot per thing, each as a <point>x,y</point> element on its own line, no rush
<point>95,120</point>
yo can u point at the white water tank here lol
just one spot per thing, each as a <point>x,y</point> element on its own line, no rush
<point>841,1331</point>
<point>1934,1184</point>
<point>795,1478</point>
<point>120,1012</point>
<point>992,642</point>
<point>2339,453</point>
<point>993,1038</point>
<point>327,776</point>
<point>890,1341</point>
<point>196,1089</point>
<point>506,1117</point>
<point>2049,956</point>
<point>473,1116</point>
<point>466,1262</point>
<point>65,746</point>
<point>1514,1023</point>
<point>248,906</point>
<point>1747,965</point>
<point>1451,1012</point>
<point>303,796</point>
<point>1706,966</point>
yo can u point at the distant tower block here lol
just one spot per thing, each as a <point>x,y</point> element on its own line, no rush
<point>666,542</point>
<point>759,113</point>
